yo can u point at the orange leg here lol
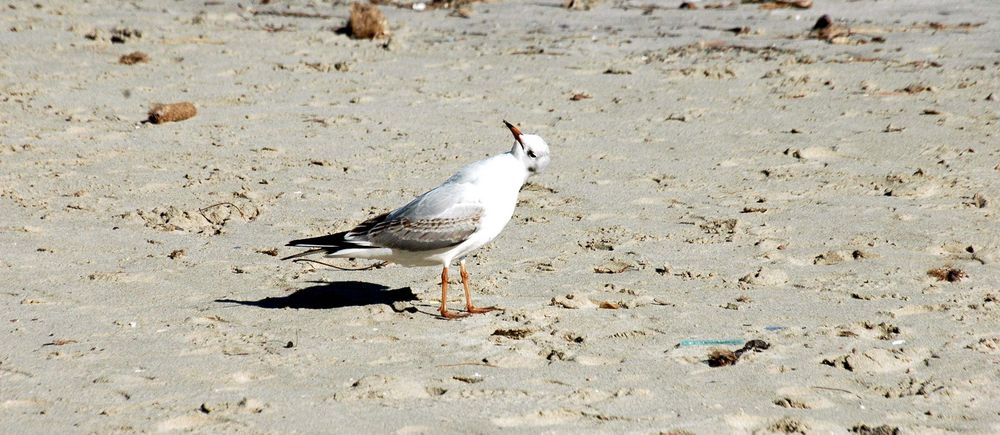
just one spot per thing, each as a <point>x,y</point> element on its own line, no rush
<point>444,298</point>
<point>468,296</point>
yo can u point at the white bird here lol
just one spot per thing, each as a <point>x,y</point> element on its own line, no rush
<point>447,223</point>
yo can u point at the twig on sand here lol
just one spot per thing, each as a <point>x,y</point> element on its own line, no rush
<point>468,364</point>
<point>837,389</point>
<point>291,14</point>
<point>370,267</point>
<point>202,210</point>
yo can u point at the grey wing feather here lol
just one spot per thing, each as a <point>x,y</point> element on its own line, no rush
<point>437,219</point>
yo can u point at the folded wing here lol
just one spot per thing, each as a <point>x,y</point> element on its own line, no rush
<point>441,218</point>
<point>438,219</point>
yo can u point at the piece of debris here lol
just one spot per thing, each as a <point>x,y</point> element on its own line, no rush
<point>830,258</point>
<point>864,429</point>
<point>291,14</point>
<point>725,357</point>
<point>579,96</point>
<point>754,345</point>
<point>824,22</point>
<point>782,4</point>
<point>826,29</point>
<point>367,22</point>
<point>916,88</point>
<point>461,12</point>
<point>979,200</point>
<point>729,5</point>
<point>173,112</point>
<point>608,305</point>
<point>947,274</point>
<point>584,5</point>
<point>60,342</point>
<point>515,333</point>
<point>474,379</point>
<point>119,35</point>
<point>617,71</point>
<point>133,58</point>
<point>721,358</point>
<point>965,27</point>
<point>272,252</point>
<point>175,254</point>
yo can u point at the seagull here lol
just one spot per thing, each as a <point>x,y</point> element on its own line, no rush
<point>447,223</point>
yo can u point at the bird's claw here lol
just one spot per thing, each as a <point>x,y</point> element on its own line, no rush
<point>480,310</point>
<point>451,315</point>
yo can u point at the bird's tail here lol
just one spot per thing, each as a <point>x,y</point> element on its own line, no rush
<point>329,244</point>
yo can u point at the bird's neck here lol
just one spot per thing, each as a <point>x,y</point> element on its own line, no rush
<point>517,168</point>
<point>500,170</point>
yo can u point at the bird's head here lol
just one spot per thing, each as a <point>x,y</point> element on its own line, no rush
<point>530,149</point>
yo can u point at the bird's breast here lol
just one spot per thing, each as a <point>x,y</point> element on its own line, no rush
<point>497,182</point>
<point>498,202</point>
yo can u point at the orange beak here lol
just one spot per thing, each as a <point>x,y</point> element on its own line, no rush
<point>516,131</point>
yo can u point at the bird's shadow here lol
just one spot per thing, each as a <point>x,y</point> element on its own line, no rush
<point>328,295</point>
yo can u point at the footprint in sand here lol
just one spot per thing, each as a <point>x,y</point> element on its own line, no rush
<point>878,360</point>
<point>379,387</point>
<point>801,398</point>
<point>184,423</point>
<point>538,419</point>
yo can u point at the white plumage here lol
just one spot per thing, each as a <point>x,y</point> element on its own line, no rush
<point>447,223</point>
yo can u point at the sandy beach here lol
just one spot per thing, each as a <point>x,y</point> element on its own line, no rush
<point>718,173</point>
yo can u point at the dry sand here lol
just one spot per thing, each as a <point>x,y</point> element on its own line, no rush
<point>716,184</point>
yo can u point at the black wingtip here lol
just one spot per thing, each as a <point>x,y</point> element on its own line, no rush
<point>327,241</point>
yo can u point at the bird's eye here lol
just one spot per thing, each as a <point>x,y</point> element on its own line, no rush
<point>531,154</point>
